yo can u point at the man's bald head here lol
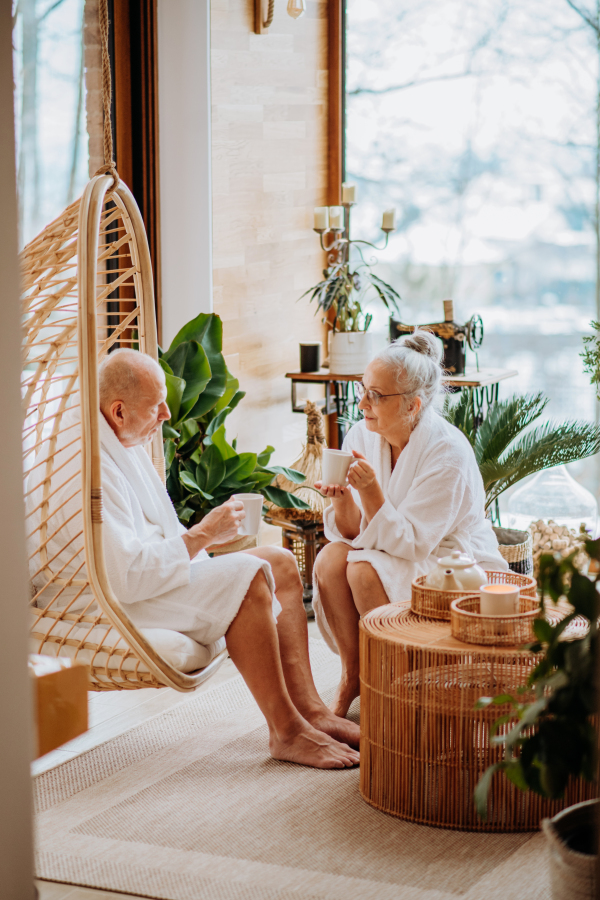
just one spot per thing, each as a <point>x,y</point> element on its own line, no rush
<point>126,375</point>
<point>132,395</point>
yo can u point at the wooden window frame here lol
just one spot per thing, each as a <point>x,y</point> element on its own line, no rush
<point>133,47</point>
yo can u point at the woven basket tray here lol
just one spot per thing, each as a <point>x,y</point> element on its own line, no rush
<point>434,604</point>
<point>471,627</point>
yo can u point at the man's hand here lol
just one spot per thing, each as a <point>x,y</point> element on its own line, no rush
<point>220,526</point>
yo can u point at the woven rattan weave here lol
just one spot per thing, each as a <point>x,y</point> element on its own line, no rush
<point>427,601</point>
<point>423,745</point>
<point>468,625</point>
<point>87,288</point>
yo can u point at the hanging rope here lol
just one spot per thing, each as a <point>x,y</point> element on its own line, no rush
<point>270,13</point>
<point>109,163</point>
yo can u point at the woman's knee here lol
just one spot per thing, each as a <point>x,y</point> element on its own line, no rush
<point>362,576</point>
<point>332,560</point>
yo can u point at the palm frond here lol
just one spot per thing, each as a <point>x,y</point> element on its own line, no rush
<point>504,422</point>
<point>460,414</point>
<point>544,447</point>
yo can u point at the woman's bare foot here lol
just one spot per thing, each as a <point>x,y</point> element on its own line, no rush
<point>347,691</point>
<point>309,747</point>
<point>338,728</point>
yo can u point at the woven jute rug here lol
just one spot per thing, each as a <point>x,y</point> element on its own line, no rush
<point>189,806</point>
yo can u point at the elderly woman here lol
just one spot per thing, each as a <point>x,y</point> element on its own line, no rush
<point>415,493</point>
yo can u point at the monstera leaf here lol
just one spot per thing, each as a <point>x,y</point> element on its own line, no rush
<point>203,468</point>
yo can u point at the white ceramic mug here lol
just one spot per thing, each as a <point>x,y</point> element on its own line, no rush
<point>335,467</point>
<point>499,600</point>
<point>253,504</point>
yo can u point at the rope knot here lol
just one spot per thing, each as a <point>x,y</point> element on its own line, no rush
<point>110,169</point>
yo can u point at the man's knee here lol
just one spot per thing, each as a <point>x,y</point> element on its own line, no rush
<point>282,562</point>
<point>259,591</point>
<point>362,576</point>
<point>333,558</point>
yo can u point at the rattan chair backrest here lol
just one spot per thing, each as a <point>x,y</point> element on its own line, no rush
<point>87,288</point>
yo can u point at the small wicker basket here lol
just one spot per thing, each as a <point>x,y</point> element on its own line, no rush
<point>435,604</point>
<point>516,548</point>
<point>470,626</point>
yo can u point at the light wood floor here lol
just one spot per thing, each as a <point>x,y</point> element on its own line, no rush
<point>110,715</point>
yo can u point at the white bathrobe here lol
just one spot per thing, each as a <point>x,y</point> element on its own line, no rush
<point>148,565</point>
<point>434,503</point>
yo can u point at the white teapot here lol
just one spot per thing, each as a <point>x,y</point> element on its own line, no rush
<point>466,574</point>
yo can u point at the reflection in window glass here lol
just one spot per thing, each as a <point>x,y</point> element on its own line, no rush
<point>477,119</point>
<point>52,145</point>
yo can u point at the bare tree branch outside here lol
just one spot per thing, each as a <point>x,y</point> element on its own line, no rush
<point>479,120</point>
<point>52,156</point>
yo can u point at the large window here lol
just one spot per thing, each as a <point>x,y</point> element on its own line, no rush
<point>478,120</point>
<point>52,145</point>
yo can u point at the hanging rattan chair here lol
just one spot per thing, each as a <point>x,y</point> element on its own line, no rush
<point>87,288</point>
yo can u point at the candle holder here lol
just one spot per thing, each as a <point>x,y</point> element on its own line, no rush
<point>338,250</point>
<point>348,282</point>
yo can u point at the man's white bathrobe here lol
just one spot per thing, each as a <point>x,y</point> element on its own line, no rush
<point>147,561</point>
<point>434,503</point>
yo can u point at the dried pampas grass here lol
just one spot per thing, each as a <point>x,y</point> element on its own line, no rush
<point>310,463</point>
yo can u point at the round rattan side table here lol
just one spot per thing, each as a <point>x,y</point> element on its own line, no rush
<point>423,745</point>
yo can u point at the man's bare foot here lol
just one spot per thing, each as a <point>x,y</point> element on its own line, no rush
<point>309,747</point>
<point>340,729</point>
<point>347,691</point>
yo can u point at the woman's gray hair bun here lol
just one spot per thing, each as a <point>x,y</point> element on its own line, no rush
<point>423,341</point>
<point>416,360</point>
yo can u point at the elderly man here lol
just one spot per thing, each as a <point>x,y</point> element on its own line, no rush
<point>164,577</point>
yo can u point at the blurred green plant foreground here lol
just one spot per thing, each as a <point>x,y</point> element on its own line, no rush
<point>551,738</point>
<point>203,469</point>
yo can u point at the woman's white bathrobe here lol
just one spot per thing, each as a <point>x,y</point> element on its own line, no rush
<point>148,565</point>
<point>434,503</point>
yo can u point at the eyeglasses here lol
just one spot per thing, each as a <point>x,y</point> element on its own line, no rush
<point>373,397</point>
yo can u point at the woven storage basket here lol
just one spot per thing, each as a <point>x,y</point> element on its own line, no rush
<point>516,548</point>
<point>470,626</point>
<point>434,604</point>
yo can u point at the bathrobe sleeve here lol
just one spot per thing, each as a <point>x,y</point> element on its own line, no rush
<point>425,517</point>
<point>138,570</point>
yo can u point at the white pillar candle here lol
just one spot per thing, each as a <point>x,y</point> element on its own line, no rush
<point>499,600</point>
<point>321,218</point>
<point>348,192</point>
<point>336,217</point>
<point>388,221</point>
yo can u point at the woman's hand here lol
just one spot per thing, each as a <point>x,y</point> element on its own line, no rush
<point>361,473</point>
<point>347,513</point>
<point>334,491</point>
<point>362,478</point>
<point>220,526</point>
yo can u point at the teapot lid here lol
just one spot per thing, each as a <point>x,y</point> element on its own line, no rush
<point>456,560</point>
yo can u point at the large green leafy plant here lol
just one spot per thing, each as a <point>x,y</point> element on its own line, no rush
<point>550,738</point>
<point>506,452</point>
<point>203,469</point>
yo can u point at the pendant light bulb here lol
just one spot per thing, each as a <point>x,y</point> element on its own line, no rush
<point>296,8</point>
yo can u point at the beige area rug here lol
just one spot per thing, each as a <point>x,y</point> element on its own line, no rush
<point>189,806</point>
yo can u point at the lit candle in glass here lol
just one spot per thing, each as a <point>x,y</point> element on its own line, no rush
<point>336,218</point>
<point>388,221</point>
<point>348,192</point>
<point>321,218</point>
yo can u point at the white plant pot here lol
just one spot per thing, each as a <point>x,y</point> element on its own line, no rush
<point>350,352</point>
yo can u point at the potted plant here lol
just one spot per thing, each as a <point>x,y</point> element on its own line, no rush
<point>203,469</point>
<point>508,450</point>
<point>552,737</point>
<point>342,296</point>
